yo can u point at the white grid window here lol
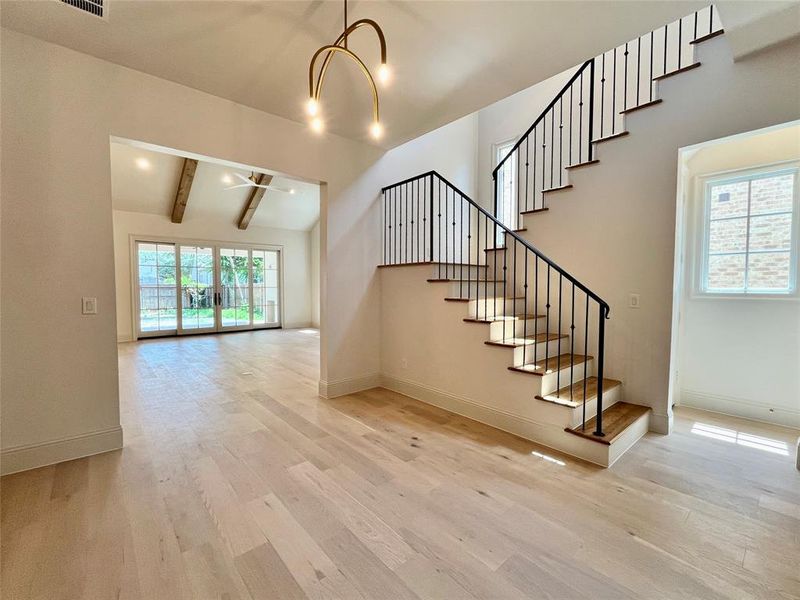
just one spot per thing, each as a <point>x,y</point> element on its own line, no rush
<point>750,234</point>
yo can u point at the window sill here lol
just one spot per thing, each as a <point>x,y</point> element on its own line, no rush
<point>782,296</point>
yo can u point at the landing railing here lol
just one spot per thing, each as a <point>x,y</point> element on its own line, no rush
<point>426,219</point>
<point>591,107</point>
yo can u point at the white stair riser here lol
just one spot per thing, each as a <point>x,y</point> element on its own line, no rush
<point>458,272</point>
<point>538,351</point>
<point>490,307</point>
<point>610,397</point>
<point>517,328</point>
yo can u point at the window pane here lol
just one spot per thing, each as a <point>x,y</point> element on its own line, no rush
<point>768,271</point>
<point>147,254</point>
<point>771,232</point>
<point>772,194</point>
<point>729,235</point>
<point>726,272</point>
<point>729,200</point>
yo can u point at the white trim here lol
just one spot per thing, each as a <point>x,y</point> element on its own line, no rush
<point>348,385</point>
<point>41,454</point>
<point>741,407</point>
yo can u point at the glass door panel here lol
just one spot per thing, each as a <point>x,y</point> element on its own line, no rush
<point>157,288</point>
<point>197,289</point>
<point>235,289</point>
<point>265,288</point>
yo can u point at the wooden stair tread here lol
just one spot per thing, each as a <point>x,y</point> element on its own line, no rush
<point>708,36</point>
<point>498,248</point>
<point>566,186</point>
<point>582,164</point>
<point>551,364</point>
<point>516,342</point>
<point>431,262</point>
<point>677,71</point>
<point>627,111</point>
<point>613,136</point>
<point>533,211</point>
<point>562,396</point>
<point>494,298</point>
<point>499,318</point>
<point>616,419</point>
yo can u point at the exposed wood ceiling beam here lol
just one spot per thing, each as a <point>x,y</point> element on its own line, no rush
<point>184,187</point>
<point>253,200</point>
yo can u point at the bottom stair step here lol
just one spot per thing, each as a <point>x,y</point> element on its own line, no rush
<point>616,419</point>
<point>572,396</point>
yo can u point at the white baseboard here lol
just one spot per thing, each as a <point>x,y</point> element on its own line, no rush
<point>348,385</point>
<point>739,407</point>
<point>660,423</point>
<point>32,456</point>
<point>124,337</point>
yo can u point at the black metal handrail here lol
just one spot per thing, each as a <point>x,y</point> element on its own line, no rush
<point>427,219</point>
<point>591,107</point>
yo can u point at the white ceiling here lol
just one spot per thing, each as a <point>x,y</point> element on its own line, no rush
<point>449,58</point>
<point>152,190</point>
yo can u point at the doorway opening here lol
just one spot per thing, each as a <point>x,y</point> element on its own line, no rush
<point>736,307</point>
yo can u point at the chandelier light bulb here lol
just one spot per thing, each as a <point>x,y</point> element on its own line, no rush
<point>376,130</point>
<point>317,125</point>
<point>384,73</point>
<point>312,108</point>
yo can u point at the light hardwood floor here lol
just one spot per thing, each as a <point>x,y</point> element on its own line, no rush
<point>237,481</point>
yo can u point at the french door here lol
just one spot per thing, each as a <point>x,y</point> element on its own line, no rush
<point>184,288</point>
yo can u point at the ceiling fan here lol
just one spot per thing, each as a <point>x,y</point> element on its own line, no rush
<point>252,181</point>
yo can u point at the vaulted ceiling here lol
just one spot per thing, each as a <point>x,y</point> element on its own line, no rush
<point>448,58</point>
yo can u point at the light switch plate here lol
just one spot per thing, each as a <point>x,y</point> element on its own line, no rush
<point>89,305</point>
<point>633,301</point>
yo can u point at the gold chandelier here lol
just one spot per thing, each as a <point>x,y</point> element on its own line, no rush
<point>340,46</point>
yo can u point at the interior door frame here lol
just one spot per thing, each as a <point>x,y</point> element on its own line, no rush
<point>134,239</point>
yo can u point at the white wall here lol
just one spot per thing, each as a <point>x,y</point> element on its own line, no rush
<point>59,108</point>
<point>297,276</point>
<point>737,355</point>
<point>313,243</point>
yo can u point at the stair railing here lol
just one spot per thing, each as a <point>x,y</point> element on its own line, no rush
<point>591,107</point>
<point>541,309</point>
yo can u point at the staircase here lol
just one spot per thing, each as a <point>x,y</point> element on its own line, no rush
<point>548,324</point>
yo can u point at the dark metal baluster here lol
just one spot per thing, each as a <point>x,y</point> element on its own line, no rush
<point>552,145</point>
<point>477,256</point>
<point>525,308</point>
<point>547,321</point>
<point>680,40</point>
<point>535,307</point>
<point>590,146</point>
<point>571,110</point>
<point>600,352</point>
<point>517,215</point>
<point>485,271</point>
<point>453,196</point>
<point>580,124</point>
<point>446,223</point>
<point>430,213</point>
<point>694,37</point>
<point>638,66</point>
<point>625,81</point>
<point>614,95</point>
<point>505,283</point>
<point>527,164</point>
<point>602,94</point>
<point>414,185</point>
<point>710,19</point>
<point>650,79</point>
<point>558,359</point>
<point>560,138</point>
<point>460,244</point>
<point>666,30</point>
<point>572,343</point>
<point>400,225</point>
<point>439,227</point>
<point>585,359</point>
<point>514,301</point>
<point>533,188</point>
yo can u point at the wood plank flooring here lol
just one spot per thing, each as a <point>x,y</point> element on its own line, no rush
<point>237,482</point>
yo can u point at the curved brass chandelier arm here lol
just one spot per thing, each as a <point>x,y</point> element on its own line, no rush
<point>313,91</point>
<point>335,48</point>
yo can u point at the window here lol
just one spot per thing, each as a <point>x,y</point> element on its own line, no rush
<point>506,187</point>
<point>751,234</point>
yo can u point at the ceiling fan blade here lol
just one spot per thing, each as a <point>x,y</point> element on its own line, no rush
<point>247,180</point>
<point>241,185</point>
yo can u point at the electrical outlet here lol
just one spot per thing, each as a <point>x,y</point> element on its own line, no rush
<point>404,363</point>
<point>633,301</point>
<point>88,306</point>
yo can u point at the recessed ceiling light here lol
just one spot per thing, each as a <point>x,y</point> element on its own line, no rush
<point>143,163</point>
<point>227,179</point>
<point>291,191</point>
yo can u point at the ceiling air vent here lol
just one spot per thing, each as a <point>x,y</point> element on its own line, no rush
<point>93,7</point>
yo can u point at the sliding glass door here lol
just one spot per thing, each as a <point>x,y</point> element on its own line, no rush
<point>183,288</point>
